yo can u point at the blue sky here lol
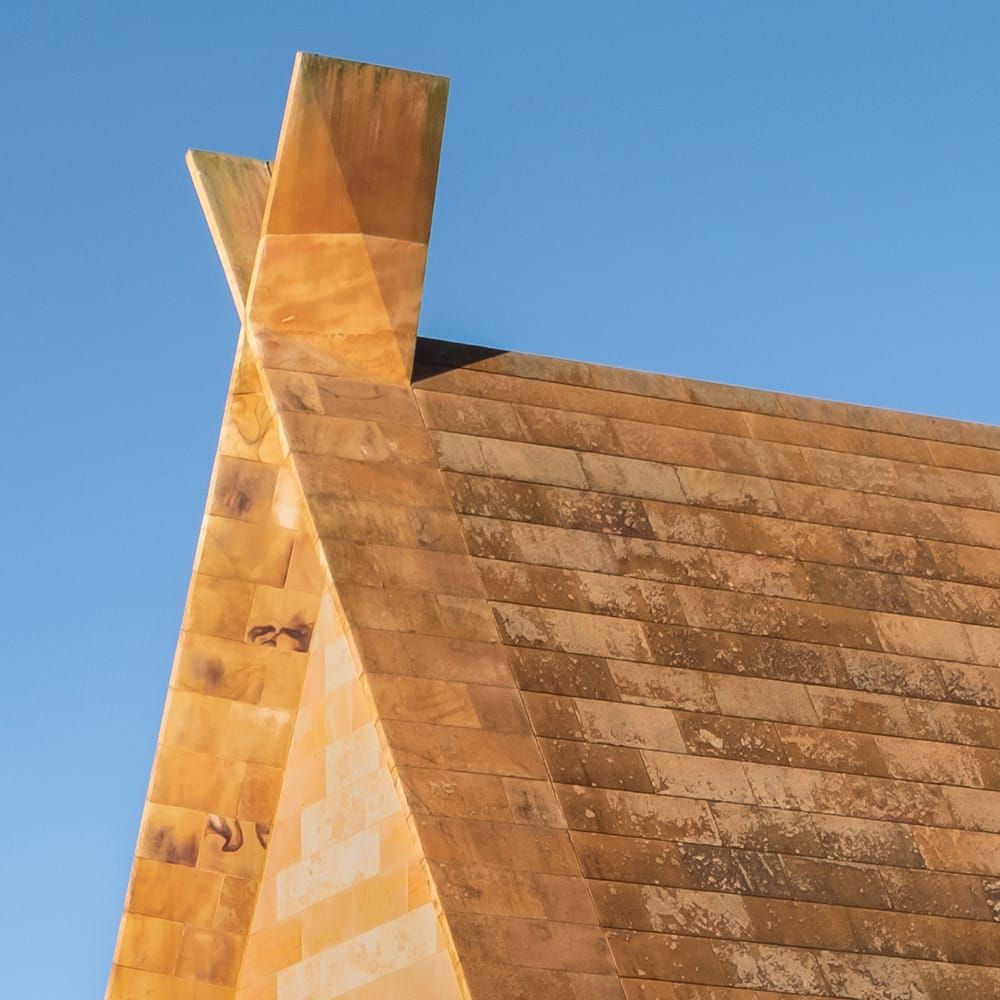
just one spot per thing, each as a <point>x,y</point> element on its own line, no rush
<point>794,195</point>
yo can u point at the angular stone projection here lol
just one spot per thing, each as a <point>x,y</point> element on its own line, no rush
<point>508,677</point>
<point>340,265</point>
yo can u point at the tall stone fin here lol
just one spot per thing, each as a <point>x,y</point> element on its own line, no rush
<point>232,191</point>
<point>339,273</point>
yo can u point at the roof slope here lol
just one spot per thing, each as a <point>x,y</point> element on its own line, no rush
<point>534,679</point>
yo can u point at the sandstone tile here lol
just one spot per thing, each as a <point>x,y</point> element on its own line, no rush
<point>326,923</point>
<point>963,724</point>
<point>324,479</point>
<point>869,841</point>
<point>924,637</point>
<point>384,483</point>
<point>662,443</point>
<point>765,458</point>
<point>758,828</point>
<point>305,573</point>
<point>918,760</point>
<point>632,814</point>
<point>295,391</point>
<point>833,750</point>
<point>200,781</point>
<point>487,890</point>
<point>419,699</point>
<point>799,924</point>
<point>532,463</point>
<point>358,440</point>
<point>769,967</point>
<point>902,801</point>
<point>523,848</point>
<point>139,984</point>
<point>630,859</point>
<point>218,607</point>
<point>918,891</point>
<point>439,657</point>
<point>765,699</point>
<point>769,616</point>
<point>891,674</point>
<point>706,567</point>
<point>500,709</point>
<point>726,491</point>
<point>448,748</point>
<point>723,869</point>
<point>571,632</point>
<point>436,572</point>
<point>149,943</point>
<point>959,851</point>
<point>461,794</point>
<point>268,951</point>
<point>973,685</point>
<point>559,673</point>
<point>210,956</point>
<point>219,667</point>
<point>242,489</point>
<point>794,788</point>
<point>367,401</point>
<point>351,562</point>
<point>588,511</point>
<point>974,809</point>
<point>698,777</point>
<point>328,872</point>
<point>664,956</point>
<point>933,938</point>
<point>872,976</point>
<point>630,477</point>
<point>660,686</point>
<point>360,803</point>
<point>861,712</point>
<point>281,619</point>
<point>401,525</point>
<point>621,905</point>
<point>533,802</point>
<point>170,834</point>
<point>236,905</point>
<point>498,498</point>
<point>233,846</point>
<point>549,944</point>
<point>195,721</point>
<point>566,899</point>
<point>860,588</point>
<point>564,428</point>
<point>701,914</point>
<point>173,893</point>
<point>365,958</point>
<point>739,739</point>
<point>953,982</point>
<point>381,899</point>
<point>258,733</point>
<point>834,882</point>
<point>249,430</point>
<point>238,550</point>
<point>628,725</point>
<point>478,416</point>
<point>544,586</point>
<point>542,545</point>
<point>577,763</point>
<point>953,601</point>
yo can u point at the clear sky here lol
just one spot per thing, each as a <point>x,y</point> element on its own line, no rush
<point>794,195</point>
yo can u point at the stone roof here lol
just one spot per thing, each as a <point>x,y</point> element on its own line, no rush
<point>524,678</point>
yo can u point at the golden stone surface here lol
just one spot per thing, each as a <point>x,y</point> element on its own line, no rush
<point>502,676</point>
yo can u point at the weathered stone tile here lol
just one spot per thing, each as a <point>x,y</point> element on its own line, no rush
<point>738,739</point>
<point>679,959</point>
